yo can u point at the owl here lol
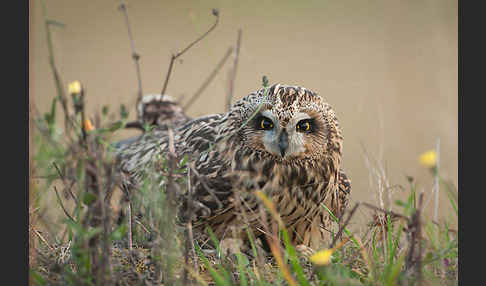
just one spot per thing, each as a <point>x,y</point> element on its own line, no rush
<point>282,140</point>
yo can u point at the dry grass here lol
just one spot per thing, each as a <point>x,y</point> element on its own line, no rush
<point>89,247</point>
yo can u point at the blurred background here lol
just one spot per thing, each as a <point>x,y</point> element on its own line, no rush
<point>389,69</point>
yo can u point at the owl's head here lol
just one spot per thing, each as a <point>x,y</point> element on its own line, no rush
<point>288,123</point>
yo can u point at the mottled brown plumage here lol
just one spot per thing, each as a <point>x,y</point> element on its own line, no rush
<point>284,140</point>
<point>159,110</point>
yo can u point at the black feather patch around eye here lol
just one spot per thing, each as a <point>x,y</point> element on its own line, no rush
<point>263,123</point>
<point>306,126</point>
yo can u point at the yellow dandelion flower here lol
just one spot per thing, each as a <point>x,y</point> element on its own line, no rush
<point>322,257</point>
<point>74,87</point>
<point>88,126</point>
<point>428,159</point>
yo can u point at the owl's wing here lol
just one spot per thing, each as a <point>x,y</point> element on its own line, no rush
<point>344,190</point>
<point>138,154</point>
<point>211,179</point>
<point>195,139</point>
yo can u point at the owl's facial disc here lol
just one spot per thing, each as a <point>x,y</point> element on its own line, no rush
<point>284,140</point>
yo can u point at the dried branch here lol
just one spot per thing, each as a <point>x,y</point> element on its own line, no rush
<point>175,56</point>
<point>341,228</point>
<point>80,105</point>
<point>135,124</point>
<point>32,189</point>
<point>209,79</point>
<point>414,227</point>
<point>211,192</point>
<point>63,178</point>
<point>62,205</point>
<point>418,222</point>
<point>57,79</point>
<point>135,55</point>
<point>42,238</point>
<point>189,246</point>
<point>233,72</point>
<point>129,225</point>
<point>385,211</point>
<point>170,209</point>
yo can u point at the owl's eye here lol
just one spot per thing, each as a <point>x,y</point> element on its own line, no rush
<point>264,123</point>
<point>306,125</point>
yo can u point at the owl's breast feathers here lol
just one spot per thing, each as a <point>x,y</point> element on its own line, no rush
<point>229,175</point>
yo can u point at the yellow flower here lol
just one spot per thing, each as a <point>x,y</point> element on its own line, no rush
<point>88,126</point>
<point>322,257</point>
<point>74,87</point>
<point>428,159</point>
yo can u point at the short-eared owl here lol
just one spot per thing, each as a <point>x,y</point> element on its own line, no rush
<point>283,140</point>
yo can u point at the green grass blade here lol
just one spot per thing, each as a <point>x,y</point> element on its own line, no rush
<point>242,263</point>
<point>294,260</point>
<point>218,278</point>
<point>346,231</point>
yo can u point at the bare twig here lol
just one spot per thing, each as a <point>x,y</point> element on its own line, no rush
<point>62,205</point>
<point>189,247</point>
<point>170,209</point>
<point>175,56</point>
<point>57,79</point>
<point>385,211</point>
<point>193,249</point>
<point>341,228</point>
<point>202,179</point>
<point>142,226</point>
<point>233,72</point>
<point>436,182</point>
<point>129,225</point>
<point>209,79</point>
<point>80,107</point>
<point>32,189</point>
<point>418,260</point>
<point>135,124</point>
<point>414,227</point>
<point>63,178</point>
<point>135,55</point>
<point>42,220</point>
<point>42,238</point>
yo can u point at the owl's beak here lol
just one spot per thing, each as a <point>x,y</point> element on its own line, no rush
<point>283,142</point>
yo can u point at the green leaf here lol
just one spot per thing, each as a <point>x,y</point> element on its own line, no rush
<point>215,241</point>
<point>294,260</point>
<point>89,198</point>
<point>123,111</point>
<point>400,203</point>
<point>252,242</point>
<point>39,280</point>
<point>55,23</point>
<point>119,233</point>
<point>218,278</point>
<point>104,110</point>
<point>93,231</point>
<point>242,264</point>
<point>265,81</point>
<point>117,125</point>
<point>184,160</point>
<point>395,271</point>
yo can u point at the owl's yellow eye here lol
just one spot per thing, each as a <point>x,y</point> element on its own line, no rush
<point>265,123</point>
<point>305,125</point>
